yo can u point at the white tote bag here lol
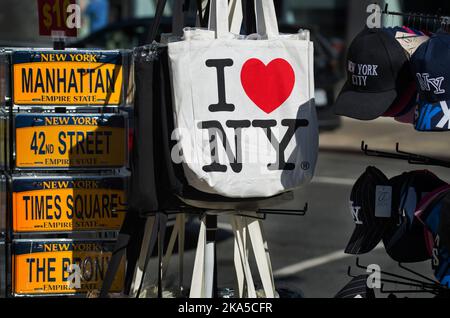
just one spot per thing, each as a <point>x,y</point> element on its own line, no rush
<point>246,124</point>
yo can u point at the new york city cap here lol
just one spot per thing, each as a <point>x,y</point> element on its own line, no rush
<point>377,73</point>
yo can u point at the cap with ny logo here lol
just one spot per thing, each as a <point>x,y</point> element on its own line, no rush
<point>430,67</point>
<point>371,208</point>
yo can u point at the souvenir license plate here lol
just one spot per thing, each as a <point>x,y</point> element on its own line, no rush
<point>68,204</point>
<point>67,78</point>
<point>70,141</point>
<point>62,266</point>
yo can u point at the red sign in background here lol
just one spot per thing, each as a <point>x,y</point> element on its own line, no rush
<point>53,17</point>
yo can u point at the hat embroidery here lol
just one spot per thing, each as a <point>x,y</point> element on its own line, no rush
<point>361,72</point>
<point>427,83</point>
<point>355,213</point>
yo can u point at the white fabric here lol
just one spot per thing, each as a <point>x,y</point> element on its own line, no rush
<point>235,16</point>
<point>265,80</point>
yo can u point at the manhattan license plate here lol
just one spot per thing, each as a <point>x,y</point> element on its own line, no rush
<point>61,204</point>
<point>46,267</point>
<point>47,141</point>
<point>69,78</point>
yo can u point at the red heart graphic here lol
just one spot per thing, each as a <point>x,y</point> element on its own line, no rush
<point>268,86</point>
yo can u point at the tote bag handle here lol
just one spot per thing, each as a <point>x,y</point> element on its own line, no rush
<point>151,36</point>
<point>266,18</point>
<point>178,17</point>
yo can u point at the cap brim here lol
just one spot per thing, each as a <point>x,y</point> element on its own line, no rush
<point>357,288</point>
<point>363,106</point>
<point>364,240</point>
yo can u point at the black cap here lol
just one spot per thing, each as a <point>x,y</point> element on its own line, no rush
<point>370,228</point>
<point>357,288</point>
<point>405,240</point>
<point>377,74</point>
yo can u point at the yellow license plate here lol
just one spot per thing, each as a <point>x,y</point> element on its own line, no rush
<point>67,78</point>
<point>62,266</point>
<point>62,204</point>
<point>70,141</point>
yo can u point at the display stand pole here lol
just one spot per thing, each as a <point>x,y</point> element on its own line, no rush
<point>248,233</point>
<point>210,258</point>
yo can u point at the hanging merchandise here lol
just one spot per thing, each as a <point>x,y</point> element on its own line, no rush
<point>244,114</point>
<point>444,229</point>
<point>406,240</point>
<point>431,217</point>
<point>44,141</point>
<point>403,110</point>
<point>378,75</point>
<point>149,189</point>
<point>61,266</point>
<point>152,70</point>
<point>371,208</point>
<point>70,77</point>
<point>66,203</point>
<point>430,66</point>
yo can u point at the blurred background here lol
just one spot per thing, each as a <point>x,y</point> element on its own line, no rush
<point>306,252</point>
<point>112,24</point>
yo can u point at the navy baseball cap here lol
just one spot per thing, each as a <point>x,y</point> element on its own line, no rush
<point>431,217</point>
<point>430,65</point>
<point>406,241</point>
<point>444,228</point>
<point>370,205</point>
<point>378,72</point>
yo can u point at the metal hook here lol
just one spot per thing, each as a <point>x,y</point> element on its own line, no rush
<point>349,270</point>
<point>422,284</point>
<point>415,273</point>
<point>422,291</point>
<point>301,212</point>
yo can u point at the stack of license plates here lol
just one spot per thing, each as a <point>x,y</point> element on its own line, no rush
<point>64,132</point>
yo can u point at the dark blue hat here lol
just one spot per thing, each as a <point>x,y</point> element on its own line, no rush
<point>430,65</point>
<point>432,218</point>
<point>406,241</point>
